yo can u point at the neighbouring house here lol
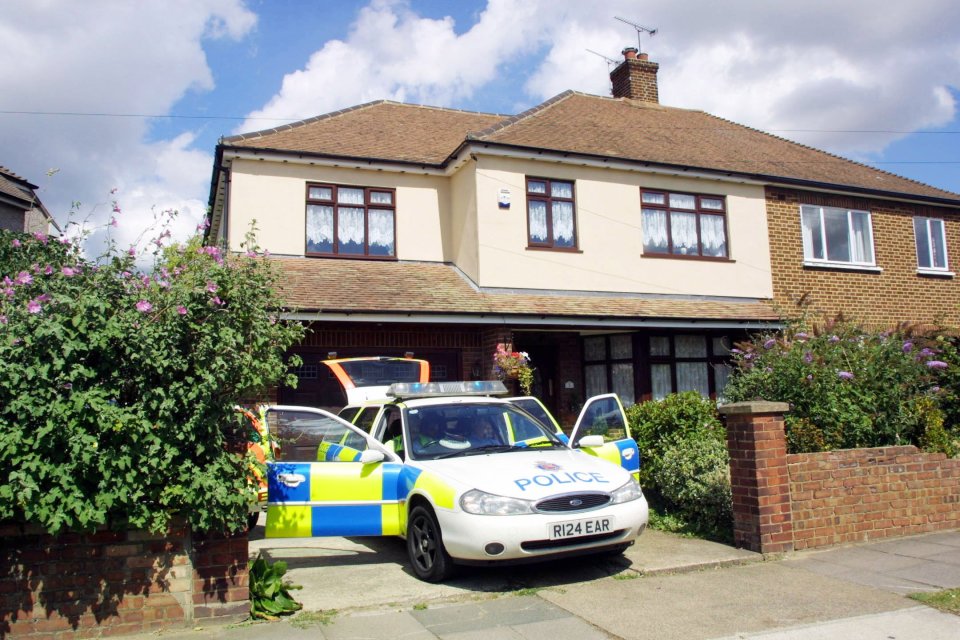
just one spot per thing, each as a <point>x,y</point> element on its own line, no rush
<point>623,244</point>
<point>20,207</point>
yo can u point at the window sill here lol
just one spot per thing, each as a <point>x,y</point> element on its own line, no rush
<point>841,266</point>
<point>671,256</point>
<point>349,256</point>
<point>935,273</point>
<point>558,249</point>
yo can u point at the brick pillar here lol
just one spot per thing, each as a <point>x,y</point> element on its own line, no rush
<point>758,476</point>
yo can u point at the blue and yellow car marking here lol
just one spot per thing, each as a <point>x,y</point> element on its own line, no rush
<point>329,452</point>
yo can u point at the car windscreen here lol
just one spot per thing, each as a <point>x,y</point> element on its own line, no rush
<point>378,373</point>
<point>452,430</point>
<point>535,409</point>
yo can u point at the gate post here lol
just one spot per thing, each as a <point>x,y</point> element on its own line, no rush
<point>759,480</point>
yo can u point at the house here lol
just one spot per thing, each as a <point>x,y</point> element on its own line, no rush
<point>20,208</point>
<point>623,244</point>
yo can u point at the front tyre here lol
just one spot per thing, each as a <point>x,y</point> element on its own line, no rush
<point>425,547</point>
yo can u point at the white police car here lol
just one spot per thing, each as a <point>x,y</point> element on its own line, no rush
<point>466,478</point>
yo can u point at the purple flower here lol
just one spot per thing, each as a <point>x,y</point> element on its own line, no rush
<point>216,301</point>
<point>16,243</point>
<point>42,237</point>
<point>113,222</point>
<point>845,375</point>
<point>68,271</point>
<point>934,389</point>
<point>23,278</point>
<point>211,287</point>
<point>907,347</point>
<point>251,254</point>
<point>809,376</point>
<point>47,270</point>
<point>801,336</point>
<point>182,310</point>
<point>927,352</point>
<point>769,343</point>
<point>808,357</point>
<point>132,251</point>
<point>33,306</point>
<point>833,340</point>
<point>64,240</point>
<point>144,306</point>
<point>68,385</point>
<point>937,364</point>
<point>735,350</point>
<point>3,319</point>
<point>9,292</point>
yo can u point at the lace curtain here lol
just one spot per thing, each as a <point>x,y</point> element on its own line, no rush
<point>655,231</point>
<point>562,224</point>
<point>537,214</point>
<point>319,228</point>
<point>713,239</point>
<point>683,228</point>
<point>381,232</point>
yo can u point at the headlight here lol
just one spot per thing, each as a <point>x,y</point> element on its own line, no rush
<point>626,493</point>
<point>482,503</point>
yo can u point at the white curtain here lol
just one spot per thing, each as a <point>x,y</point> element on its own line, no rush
<point>721,375</point>
<point>594,348</point>
<point>682,201</point>
<point>655,231</point>
<point>350,229</point>
<point>861,245</point>
<point>537,214</point>
<point>596,379</point>
<point>659,346</point>
<point>381,197</point>
<point>712,236</point>
<point>621,346</point>
<point>691,346</point>
<point>349,196</point>
<point>561,189</point>
<point>683,229</point>
<point>319,228</point>
<point>563,224</point>
<point>381,232</point>
<point>623,382</point>
<point>692,376</point>
<point>660,379</point>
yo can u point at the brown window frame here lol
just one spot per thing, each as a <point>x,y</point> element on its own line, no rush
<point>549,199</point>
<point>367,207</point>
<point>698,211</point>
<point>671,359</point>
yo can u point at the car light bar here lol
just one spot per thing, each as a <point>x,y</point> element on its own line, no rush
<point>446,389</point>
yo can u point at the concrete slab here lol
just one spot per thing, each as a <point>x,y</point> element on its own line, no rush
<point>398,625</point>
<point>949,538</point>
<point>711,603</point>
<point>918,622</point>
<point>912,547</point>
<point>936,574</point>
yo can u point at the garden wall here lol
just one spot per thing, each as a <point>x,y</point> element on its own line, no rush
<point>110,583</point>
<point>783,502</point>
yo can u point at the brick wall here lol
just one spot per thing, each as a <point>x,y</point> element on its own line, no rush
<point>110,583</point>
<point>897,294</point>
<point>783,502</point>
<point>863,494</point>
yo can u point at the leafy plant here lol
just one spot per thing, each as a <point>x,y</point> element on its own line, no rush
<point>117,384</point>
<point>848,386</point>
<point>269,591</point>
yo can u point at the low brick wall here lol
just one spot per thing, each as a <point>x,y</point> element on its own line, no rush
<point>863,494</point>
<point>113,583</point>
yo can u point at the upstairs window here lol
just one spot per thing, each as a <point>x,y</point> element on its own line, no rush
<point>551,219</point>
<point>931,244</point>
<point>837,236</point>
<point>351,221</point>
<point>684,224</point>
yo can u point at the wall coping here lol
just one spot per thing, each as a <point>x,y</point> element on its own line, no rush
<point>756,406</point>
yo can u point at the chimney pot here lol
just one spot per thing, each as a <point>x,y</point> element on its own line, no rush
<point>643,56</point>
<point>630,53</point>
<point>636,77</point>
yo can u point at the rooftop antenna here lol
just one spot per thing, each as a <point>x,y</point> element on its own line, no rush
<point>610,61</point>
<point>640,29</point>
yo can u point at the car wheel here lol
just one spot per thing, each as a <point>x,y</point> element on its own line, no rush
<point>425,547</point>
<point>252,520</point>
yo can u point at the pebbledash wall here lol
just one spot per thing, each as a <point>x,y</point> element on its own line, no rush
<point>785,502</point>
<point>109,583</point>
<point>896,293</point>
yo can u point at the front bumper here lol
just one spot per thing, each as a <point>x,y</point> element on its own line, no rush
<point>468,537</point>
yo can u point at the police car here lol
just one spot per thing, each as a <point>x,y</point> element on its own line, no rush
<point>463,476</point>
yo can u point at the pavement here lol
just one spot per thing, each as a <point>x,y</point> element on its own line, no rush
<point>664,587</point>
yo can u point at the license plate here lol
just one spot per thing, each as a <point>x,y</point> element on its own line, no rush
<point>577,528</point>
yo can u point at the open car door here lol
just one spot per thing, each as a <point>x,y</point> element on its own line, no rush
<point>328,478</point>
<point>534,407</point>
<point>604,416</point>
<point>365,379</point>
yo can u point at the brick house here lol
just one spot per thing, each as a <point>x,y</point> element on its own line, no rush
<point>624,244</point>
<point>20,208</point>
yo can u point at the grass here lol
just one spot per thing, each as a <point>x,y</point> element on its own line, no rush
<point>307,619</point>
<point>420,606</point>
<point>626,575</point>
<point>947,600</point>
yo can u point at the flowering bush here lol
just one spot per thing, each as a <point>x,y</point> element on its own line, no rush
<point>117,385</point>
<point>847,387</point>
<point>514,365</point>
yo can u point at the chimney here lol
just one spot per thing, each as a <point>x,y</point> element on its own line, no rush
<point>635,77</point>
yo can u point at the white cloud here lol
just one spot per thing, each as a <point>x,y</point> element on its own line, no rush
<point>103,56</point>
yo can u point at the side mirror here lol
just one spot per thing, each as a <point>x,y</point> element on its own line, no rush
<point>371,456</point>
<point>591,441</point>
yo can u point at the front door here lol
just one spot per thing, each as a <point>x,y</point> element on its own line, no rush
<point>329,478</point>
<point>604,416</point>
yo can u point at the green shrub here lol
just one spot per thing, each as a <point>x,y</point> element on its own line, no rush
<point>847,387</point>
<point>117,385</point>
<point>685,465</point>
<point>269,591</point>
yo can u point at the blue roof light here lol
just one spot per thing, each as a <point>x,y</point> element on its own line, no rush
<point>446,389</point>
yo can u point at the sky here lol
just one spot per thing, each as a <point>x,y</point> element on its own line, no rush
<point>107,100</point>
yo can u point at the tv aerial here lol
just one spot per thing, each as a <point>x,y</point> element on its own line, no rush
<point>610,61</point>
<point>640,30</point>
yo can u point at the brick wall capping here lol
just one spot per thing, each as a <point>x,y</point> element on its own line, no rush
<point>754,406</point>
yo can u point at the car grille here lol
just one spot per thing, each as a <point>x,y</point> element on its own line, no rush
<point>574,502</point>
<point>540,545</point>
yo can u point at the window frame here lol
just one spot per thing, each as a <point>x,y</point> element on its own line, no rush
<point>698,211</point>
<point>711,358</point>
<point>932,268</point>
<point>808,250</point>
<point>548,198</point>
<point>367,207</point>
